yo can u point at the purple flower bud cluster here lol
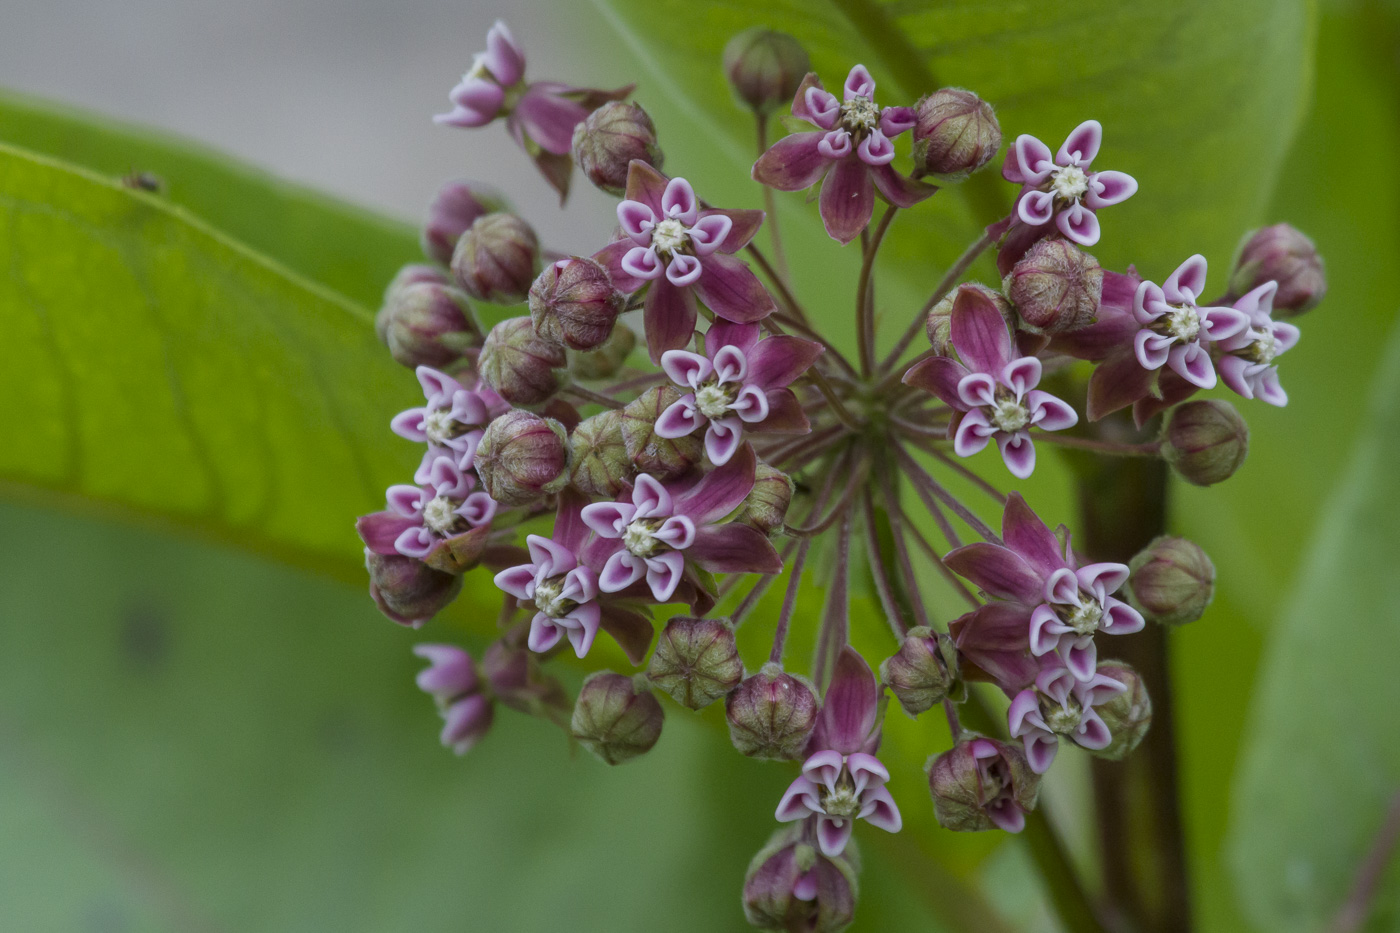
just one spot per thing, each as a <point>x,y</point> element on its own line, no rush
<point>656,496</point>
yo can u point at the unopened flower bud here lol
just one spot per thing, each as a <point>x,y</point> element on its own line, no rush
<point>766,505</point>
<point>1172,581</point>
<point>921,673</point>
<point>939,326</point>
<point>426,323</point>
<point>696,661</point>
<point>520,366</point>
<point>1127,715</point>
<point>455,208</point>
<point>465,721</point>
<point>791,885</point>
<point>765,67</point>
<point>450,673</point>
<point>1056,287</point>
<point>522,457</point>
<point>573,303</point>
<point>601,466</point>
<point>1282,254</point>
<point>608,140</point>
<point>497,258</point>
<point>772,714</point>
<point>956,134</point>
<point>663,457</point>
<point>407,590</point>
<point>616,719</point>
<point>1205,441</point>
<point>607,359</point>
<point>517,680</point>
<point>982,783</point>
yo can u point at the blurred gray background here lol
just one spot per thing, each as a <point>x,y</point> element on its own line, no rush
<point>338,94</point>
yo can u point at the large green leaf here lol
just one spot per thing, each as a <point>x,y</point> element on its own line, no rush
<point>153,366</point>
<point>345,247</point>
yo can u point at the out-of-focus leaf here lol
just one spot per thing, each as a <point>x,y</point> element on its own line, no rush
<point>1322,752</point>
<point>344,247</point>
<point>153,366</point>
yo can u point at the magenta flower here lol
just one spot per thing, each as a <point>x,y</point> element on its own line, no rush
<point>1176,331</point>
<point>850,154</point>
<point>1061,704</point>
<point>1063,188</point>
<point>659,527</point>
<point>451,680</point>
<point>1247,359</point>
<point>843,781</point>
<point>419,517</point>
<point>450,423</point>
<point>994,388</point>
<point>541,116</point>
<point>682,253</point>
<point>740,381</point>
<point>1036,584</point>
<point>559,583</point>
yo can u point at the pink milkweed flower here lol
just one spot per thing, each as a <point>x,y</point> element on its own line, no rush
<point>540,116</point>
<point>450,423</point>
<point>681,252</point>
<point>1062,188</point>
<point>1061,704</point>
<point>451,680</point>
<point>419,517</point>
<point>849,153</point>
<point>659,527</point>
<point>1247,359</point>
<point>842,781</point>
<point>740,381</point>
<point>1176,331</point>
<point>994,388</point>
<point>1037,586</point>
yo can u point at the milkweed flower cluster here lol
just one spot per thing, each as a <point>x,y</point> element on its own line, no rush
<point>660,429</point>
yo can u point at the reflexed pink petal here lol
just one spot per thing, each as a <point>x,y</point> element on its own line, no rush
<point>518,581</point>
<point>998,571</point>
<point>730,364</point>
<point>686,368</point>
<point>1149,302</point>
<point>785,414</point>
<point>1028,162</point>
<point>683,270</point>
<point>645,184</point>
<point>679,201</point>
<point>797,801</point>
<point>1108,188</point>
<point>1192,362</point>
<point>636,220</point>
<point>720,491</point>
<point>1080,656</point>
<point>409,425</point>
<point>709,233</point>
<point>642,262</point>
<point>544,633</point>
<point>580,585</point>
<point>939,375</point>
<point>438,387</point>
<point>1120,619</point>
<point>1285,336</point>
<point>1102,578</point>
<point>668,317</point>
<point>1082,144</point>
<point>549,556</point>
<point>776,361</point>
<point>1036,207</point>
<point>1079,224</point>
<point>876,149</point>
<point>1049,413</point>
<point>847,200</point>
<point>503,57</point>
<point>608,519</point>
<point>979,332</point>
<point>1117,383</point>
<point>993,639</point>
<point>621,570</point>
<point>651,499</point>
<point>722,440</point>
<point>731,290</point>
<point>1152,349</point>
<point>896,120</point>
<point>867,770</point>
<point>832,835</point>
<point>834,145</point>
<point>549,120</point>
<point>474,103</point>
<point>465,722</point>
<point>859,83</point>
<point>1267,388</point>
<point>1092,732</point>
<point>1006,815</point>
<point>450,671</point>
<point>414,542</point>
<point>611,257</point>
<point>679,419</point>
<point>1018,453</point>
<point>1046,630</point>
<point>880,810</point>
<point>1021,375</point>
<point>973,433</point>
<point>1188,283</point>
<point>379,530</point>
<point>823,768</point>
<point>1023,712</point>
<point>734,548</point>
<point>816,104</point>
<point>1223,323</point>
<point>631,630</point>
<point>584,627</point>
<point>664,572</point>
<point>1040,750</point>
<point>899,189</point>
<point>751,404</point>
<point>850,704</point>
<point>1027,535</point>
<point>406,501</point>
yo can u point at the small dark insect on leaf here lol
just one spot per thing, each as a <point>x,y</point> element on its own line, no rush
<point>143,181</point>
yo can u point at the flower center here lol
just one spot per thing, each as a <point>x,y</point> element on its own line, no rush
<point>1182,322</point>
<point>441,427</point>
<point>859,114</point>
<point>668,236</point>
<point>840,801</point>
<point>1263,349</point>
<point>1083,618</point>
<point>1009,415</point>
<point>640,537</point>
<point>440,515</point>
<point>713,400</point>
<point>1069,183</point>
<point>550,600</point>
<point>1062,720</point>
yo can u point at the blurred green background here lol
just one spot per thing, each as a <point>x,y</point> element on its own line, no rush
<point>205,725</point>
